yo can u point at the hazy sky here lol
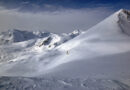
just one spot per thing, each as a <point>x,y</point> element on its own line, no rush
<point>56,15</point>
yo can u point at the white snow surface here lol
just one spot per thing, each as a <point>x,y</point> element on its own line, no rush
<point>97,59</point>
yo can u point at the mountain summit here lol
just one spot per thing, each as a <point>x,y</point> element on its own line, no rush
<point>124,21</point>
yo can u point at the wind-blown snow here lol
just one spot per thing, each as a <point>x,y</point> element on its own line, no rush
<point>102,52</point>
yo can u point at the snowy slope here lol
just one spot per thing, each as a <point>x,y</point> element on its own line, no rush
<point>100,55</point>
<point>104,45</point>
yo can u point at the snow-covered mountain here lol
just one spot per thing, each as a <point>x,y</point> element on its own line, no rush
<point>98,59</point>
<point>17,41</point>
<point>12,36</point>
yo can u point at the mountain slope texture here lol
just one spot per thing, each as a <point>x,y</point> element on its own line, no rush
<point>95,59</point>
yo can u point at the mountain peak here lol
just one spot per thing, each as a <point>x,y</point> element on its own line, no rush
<point>125,11</point>
<point>124,20</point>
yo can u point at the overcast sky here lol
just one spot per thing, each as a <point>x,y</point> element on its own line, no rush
<point>56,16</point>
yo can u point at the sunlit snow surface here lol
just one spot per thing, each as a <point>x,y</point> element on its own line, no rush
<point>97,59</point>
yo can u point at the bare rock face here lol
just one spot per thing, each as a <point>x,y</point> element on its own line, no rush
<point>124,21</point>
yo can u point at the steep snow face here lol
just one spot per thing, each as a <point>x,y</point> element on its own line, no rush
<point>108,30</point>
<point>103,51</point>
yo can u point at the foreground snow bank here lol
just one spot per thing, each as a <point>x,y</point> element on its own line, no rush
<point>22,83</point>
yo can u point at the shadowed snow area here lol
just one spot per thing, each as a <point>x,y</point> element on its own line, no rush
<point>97,59</point>
<point>20,83</point>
